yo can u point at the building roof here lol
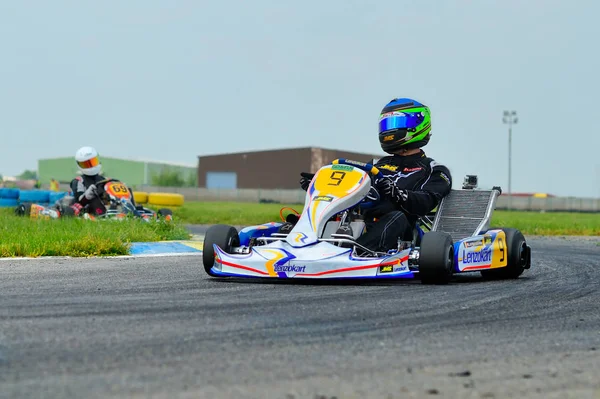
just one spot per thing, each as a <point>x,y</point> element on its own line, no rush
<point>285,149</point>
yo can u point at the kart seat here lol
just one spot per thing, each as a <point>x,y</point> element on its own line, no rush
<point>65,201</point>
<point>465,213</point>
<point>332,226</point>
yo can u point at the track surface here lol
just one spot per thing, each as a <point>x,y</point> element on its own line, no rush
<point>159,327</point>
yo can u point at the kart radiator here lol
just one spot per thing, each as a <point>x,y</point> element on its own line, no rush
<point>464,213</point>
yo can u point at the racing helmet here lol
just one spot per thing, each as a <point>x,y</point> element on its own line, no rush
<point>404,124</point>
<point>88,161</point>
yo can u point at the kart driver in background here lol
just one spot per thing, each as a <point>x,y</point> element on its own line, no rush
<point>84,187</point>
<point>413,184</point>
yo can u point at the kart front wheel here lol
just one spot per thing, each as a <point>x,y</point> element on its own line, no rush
<point>436,258</point>
<point>519,257</point>
<point>226,237</point>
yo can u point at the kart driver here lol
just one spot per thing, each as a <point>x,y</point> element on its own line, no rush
<point>413,184</point>
<point>84,187</point>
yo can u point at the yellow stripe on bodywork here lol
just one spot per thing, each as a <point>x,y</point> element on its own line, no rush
<point>270,265</point>
<point>314,206</point>
<point>500,252</point>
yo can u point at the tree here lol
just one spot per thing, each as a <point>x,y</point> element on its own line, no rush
<point>168,178</point>
<point>28,175</point>
<point>192,180</point>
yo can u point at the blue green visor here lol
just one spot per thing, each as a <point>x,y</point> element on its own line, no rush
<point>399,120</point>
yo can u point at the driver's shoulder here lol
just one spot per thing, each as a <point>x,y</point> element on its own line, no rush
<point>76,180</point>
<point>440,169</point>
<point>435,164</point>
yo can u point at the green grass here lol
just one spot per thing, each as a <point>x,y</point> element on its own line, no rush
<point>549,223</point>
<point>530,223</point>
<point>21,236</point>
<point>232,213</point>
<point>76,237</point>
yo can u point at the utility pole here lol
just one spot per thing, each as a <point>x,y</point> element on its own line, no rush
<point>510,118</point>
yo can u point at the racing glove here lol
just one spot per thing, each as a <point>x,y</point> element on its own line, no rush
<point>91,192</point>
<point>388,188</point>
<point>306,179</point>
<point>76,207</point>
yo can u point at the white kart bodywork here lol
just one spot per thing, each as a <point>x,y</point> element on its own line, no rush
<point>310,250</point>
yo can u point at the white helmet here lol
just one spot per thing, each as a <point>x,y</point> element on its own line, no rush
<point>88,161</point>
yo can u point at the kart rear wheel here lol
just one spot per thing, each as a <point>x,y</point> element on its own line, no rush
<point>436,258</point>
<point>23,209</point>
<point>226,237</point>
<point>518,253</point>
<point>164,212</point>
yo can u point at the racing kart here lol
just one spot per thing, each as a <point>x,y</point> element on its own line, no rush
<point>116,197</point>
<point>456,238</point>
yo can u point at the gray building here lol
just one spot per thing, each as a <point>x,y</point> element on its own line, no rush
<point>272,169</point>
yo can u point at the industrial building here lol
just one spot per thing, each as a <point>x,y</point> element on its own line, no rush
<point>271,169</point>
<point>133,172</point>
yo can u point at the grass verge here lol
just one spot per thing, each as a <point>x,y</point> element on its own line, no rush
<point>77,237</point>
<point>530,223</point>
<point>232,213</point>
<point>550,223</point>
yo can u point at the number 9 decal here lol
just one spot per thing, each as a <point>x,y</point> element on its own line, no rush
<point>337,176</point>
<point>502,248</point>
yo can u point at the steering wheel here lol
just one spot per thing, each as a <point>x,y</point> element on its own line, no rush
<point>100,186</point>
<point>373,196</point>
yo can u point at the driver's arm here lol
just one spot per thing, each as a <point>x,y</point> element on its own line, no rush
<point>423,200</point>
<point>79,190</point>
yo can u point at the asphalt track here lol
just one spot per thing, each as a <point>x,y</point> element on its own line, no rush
<point>159,327</point>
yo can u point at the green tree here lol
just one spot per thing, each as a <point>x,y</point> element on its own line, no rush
<point>168,178</point>
<point>192,180</point>
<point>28,175</point>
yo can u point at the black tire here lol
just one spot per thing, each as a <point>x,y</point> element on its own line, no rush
<point>225,236</point>
<point>436,258</point>
<point>162,212</point>
<point>23,209</point>
<point>519,257</point>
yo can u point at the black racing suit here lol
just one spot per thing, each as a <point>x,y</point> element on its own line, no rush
<point>426,182</point>
<point>78,187</point>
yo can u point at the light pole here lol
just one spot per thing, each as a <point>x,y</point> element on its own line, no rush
<point>510,118</point>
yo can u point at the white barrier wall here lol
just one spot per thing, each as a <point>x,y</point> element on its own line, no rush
<point>567,204</point>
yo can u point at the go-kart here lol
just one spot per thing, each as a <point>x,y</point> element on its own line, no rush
<point>116,197</point>
<point>454,239</point>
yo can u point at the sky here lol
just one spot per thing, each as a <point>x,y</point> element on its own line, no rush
<point>172,80</point>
